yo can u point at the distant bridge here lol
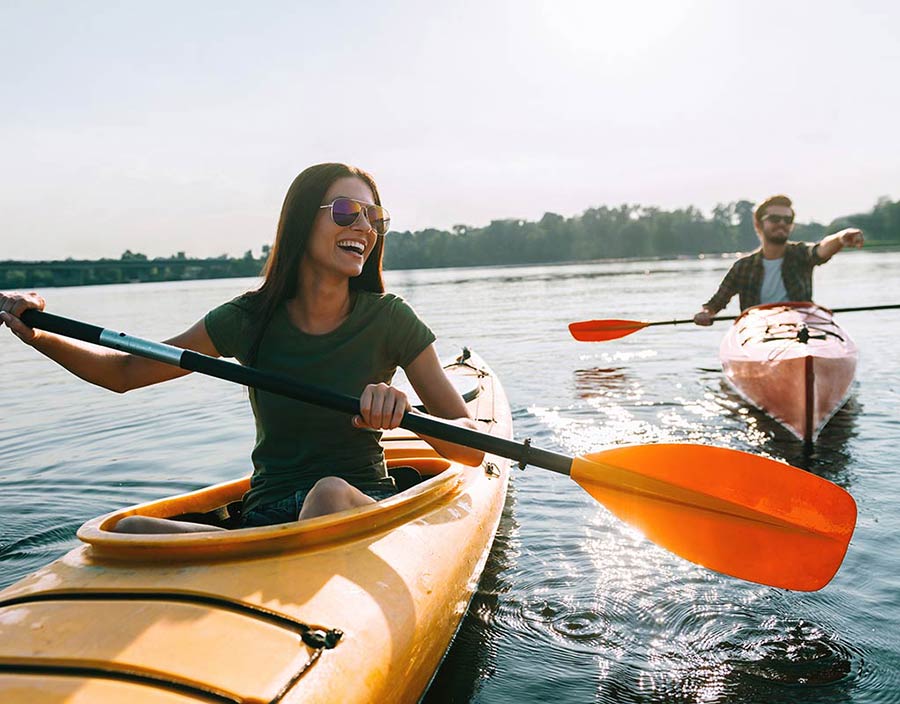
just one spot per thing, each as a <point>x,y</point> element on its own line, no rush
<point>73,272</point>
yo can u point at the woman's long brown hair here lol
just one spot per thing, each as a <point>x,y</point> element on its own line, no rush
<point>301,206</point>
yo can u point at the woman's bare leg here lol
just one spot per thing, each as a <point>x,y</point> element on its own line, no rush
<point>330,495</point>
<point>146,524</point>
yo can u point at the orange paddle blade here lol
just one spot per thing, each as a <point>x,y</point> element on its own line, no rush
<point>731,511</point>
<point>600,330</point>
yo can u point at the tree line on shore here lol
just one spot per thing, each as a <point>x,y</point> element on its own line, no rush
<point>628,231</point>
<point>612,233</point>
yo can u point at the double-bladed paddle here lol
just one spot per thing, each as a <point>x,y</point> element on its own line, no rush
<point>731,511</point>
<point>602,330</point>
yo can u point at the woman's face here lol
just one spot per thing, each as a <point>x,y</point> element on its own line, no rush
<point>342,250</point>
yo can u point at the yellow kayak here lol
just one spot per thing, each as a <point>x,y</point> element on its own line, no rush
<point>358,606</point>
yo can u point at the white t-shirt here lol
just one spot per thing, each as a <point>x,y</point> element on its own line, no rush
<point>773,290</point>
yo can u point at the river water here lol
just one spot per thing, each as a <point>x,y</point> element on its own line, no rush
<point>573,606</point>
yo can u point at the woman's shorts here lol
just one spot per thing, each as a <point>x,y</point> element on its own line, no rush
<point>287,509</point>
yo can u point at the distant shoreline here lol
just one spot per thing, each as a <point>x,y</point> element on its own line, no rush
<point>625,233</point>
<point>134,269</point>
<point>104,272</point>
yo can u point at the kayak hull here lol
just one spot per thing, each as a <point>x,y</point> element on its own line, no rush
<point>358,606</point>
<point>793,362</point>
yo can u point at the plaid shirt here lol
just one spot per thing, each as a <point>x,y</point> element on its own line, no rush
<point>746,275</point>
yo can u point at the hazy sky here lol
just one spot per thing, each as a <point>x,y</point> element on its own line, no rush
<point>167,126</point>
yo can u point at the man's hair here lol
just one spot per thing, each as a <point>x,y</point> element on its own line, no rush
<point>760,211</point>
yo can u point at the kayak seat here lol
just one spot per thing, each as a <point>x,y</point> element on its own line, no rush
<point>405,476</point>
<point>228,516</point>
<point>409,471</point>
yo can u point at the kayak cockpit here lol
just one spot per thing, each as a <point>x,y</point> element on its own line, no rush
<point>228,516</point>
<point>425,481</point>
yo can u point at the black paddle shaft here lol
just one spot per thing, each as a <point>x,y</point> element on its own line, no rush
<point>735,317</point>
<point>286,386</point>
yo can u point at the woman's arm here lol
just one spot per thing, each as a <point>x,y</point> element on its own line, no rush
<point>116,371</point>
<point>441,399</point>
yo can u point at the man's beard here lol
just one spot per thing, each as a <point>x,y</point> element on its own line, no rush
<point>777,237</point>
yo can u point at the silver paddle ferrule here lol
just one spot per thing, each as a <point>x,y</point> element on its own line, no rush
<point>142,348</point>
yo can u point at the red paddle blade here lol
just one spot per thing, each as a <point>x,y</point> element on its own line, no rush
<point>731,511</point>
<point>600,330</point>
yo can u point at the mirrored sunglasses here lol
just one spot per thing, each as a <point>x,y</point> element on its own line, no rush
<point>346,211</point>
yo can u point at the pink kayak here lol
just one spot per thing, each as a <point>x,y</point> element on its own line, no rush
<point>792,361</point>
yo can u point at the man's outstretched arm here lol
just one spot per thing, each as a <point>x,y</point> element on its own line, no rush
<point>831,245</point>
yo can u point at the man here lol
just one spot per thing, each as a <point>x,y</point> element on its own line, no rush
<point>779,270</point>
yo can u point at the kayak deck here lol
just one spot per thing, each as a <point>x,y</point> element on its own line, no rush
<point>356,606</point>
<point>793,362</point>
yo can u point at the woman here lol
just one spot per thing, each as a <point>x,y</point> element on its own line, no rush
<point>321,315</point>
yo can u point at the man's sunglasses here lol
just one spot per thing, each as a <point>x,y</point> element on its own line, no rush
<point>345,212</point>
<point>776,219</point>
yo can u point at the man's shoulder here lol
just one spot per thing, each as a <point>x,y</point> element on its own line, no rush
<point>746,260</point>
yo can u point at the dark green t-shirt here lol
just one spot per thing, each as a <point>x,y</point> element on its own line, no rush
<point>297,443</point>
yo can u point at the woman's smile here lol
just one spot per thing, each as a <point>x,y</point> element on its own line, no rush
<point>354,246</point>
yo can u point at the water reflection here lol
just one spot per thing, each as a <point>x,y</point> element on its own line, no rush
<point>600,382</point>
<point>829,457</point>
<point>472,657</point>
<point>620,405</point>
